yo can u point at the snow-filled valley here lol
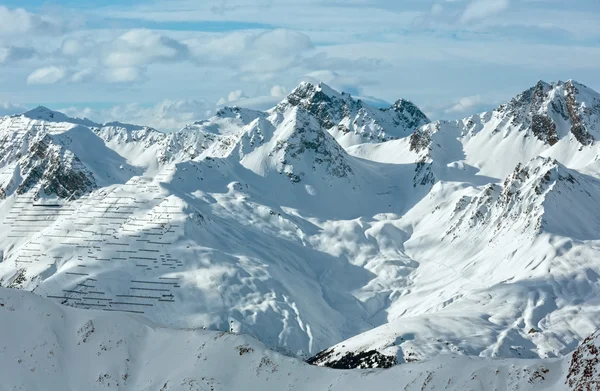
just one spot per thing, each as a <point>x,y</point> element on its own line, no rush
<point>323,228</point>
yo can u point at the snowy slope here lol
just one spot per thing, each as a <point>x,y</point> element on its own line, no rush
<point>48,347</point>
<point>516,235</point>
<point>190,222</point>
<point>321,223</point>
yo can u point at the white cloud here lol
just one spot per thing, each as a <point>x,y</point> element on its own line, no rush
<point>236,95</point>
<point>127,57</point>
<point>278,91</point>
<point>82,75</point>
<point>71,47</point>
<point>281,42</point>
<point>259,54</point>
<point>257,102</point>
<point>437,9</point>
<point>46,75</point>
<point>233,96</point>
<point>8,108</point>
<point>123,75</point>
<point>477,10</point>
<point>260,102</point>
<point>465,104</point>
<point>140,46</point>
<point>15,22</point>
<point>12,53</point>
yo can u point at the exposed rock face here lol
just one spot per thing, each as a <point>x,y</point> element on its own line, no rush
<point>420,140</point>
<point>42,162</point>
<point>545,107</point>
<point>578,127</point>
<point>370,359</point>
<point>520,203</point>
<point>409,115</point>
<point>352,121</point>
<point>57,171</point>
<point>298,145</point>
<point>584,371</point>
<point>420,143</point>
<point>322,151</point>
<point>544,129</point>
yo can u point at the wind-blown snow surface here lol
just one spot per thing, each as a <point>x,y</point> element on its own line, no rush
<point>321,222</point>
<point>49,347</point>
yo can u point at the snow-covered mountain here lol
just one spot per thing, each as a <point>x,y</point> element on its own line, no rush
<point>323,227</point>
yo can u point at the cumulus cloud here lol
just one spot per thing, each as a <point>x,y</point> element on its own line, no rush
<point>123,74</point>
<point>260,54</point>
<point>465,104</point>
<point>82,75</point>
<point>259,102</point>
<point>123,59</point>
<point>252,55</point>
<point>236,95</point>
<point>277,91</point>
<point>233,96</point>
<point>15,22</point>
<point>140,46</point>
<point>8,108</point>
<point>463,107</point>
<point>13,53</point>
<point>480,9</point>
<point>46,75</point>
<point>71,47</point>
<point>126,57</point>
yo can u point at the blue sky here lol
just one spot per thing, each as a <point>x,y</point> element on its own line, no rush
<point>168,62</point>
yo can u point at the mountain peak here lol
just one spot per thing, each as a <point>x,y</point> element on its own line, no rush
<point>413,116</point>
<point>314,93</point>
<point>42,112</point>
<point>352,121</point>
<point>555,110</point>
<point>45,114</point>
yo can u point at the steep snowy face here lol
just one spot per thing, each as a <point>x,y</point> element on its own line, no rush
<point>215,137</point>
<point>237,115</point>
<point>530,201</point>
<point>351,121</point>
<point>139,145</point>
<point>56,156</point>
<point>37,157</point>
<point>409,115</point>
<point>147,147</point>
<point>126,133</point>
<point>293,144</point>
